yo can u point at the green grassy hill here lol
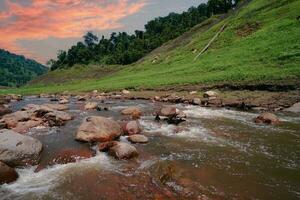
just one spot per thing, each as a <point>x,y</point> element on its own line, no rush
<point>260,45</point>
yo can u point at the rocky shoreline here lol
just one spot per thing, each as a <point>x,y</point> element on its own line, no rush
<point>18,149</point>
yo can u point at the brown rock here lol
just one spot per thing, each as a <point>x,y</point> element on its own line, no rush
<point>91,106</point>
<point>210,94</point>
<point>122,150</point>
<point>267,118</point>
<point>11,120</point>
<point>57,118</point>
<point>4,110</point>
<point>132,110</point>
<point>138,138</point>
<point>98,129</point>
<point>168,111</point>
<point>7,174</point>
<point>197,101</point>
<point>23,127</point>
<point>63,101</point>
<point>59,107</point>
<point>105,146</point>
<point>132,128</point>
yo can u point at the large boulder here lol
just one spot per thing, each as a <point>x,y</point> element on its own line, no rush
<point>7,174</point>
<point>132,128</point>
<point>19,150</point>
<point>267,118</point>
<point>91,106</point>
<point>98,129</point>
<point>294,108</point>
<point>122,150</point>
<point>138,138</point>
<point>66,156</point>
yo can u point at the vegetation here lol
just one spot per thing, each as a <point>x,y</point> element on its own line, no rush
<point>123,49</point>
<point>16,70</point>
<point>260,44</point>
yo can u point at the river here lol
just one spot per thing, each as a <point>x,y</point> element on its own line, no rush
<point>216,154</point>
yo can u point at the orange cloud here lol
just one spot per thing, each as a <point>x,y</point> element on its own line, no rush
<point>41,19</point>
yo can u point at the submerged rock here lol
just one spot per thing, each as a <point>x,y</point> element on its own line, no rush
<point>138,138</point>
<point>7,174</point>
<point>66,156</point>
<point>267,118</point>
<point>98,129</point>
<point>19,150</point>
<point>122,150</point>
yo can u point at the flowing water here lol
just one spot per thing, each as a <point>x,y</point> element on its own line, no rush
<point>216,154</point>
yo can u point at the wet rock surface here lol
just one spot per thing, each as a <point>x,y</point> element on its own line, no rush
<point>122,150</point>
<point>98,129</point>
<point>137,138</point>
<point>267,118</point>
<point>7,174</point>
<point>19,150</point>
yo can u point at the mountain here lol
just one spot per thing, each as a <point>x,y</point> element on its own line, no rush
<point>256,44</point>
<point>16,70</point>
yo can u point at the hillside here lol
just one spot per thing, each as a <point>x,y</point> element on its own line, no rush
<point>259,45</point>
<point>16,70</point>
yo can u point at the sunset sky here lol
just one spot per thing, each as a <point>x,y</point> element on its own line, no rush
<point>39,28</point>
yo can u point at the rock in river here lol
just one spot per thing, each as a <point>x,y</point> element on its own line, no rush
<point>122,150</point>
<point>98,129</point>
<point>90,105</point>
<point>19,150</point>
<point>138,138</point>
<point>132,128</point>
<point>267,118</point>
<point>133,111</point>
<point>7,174</point>
<point>294,108</point>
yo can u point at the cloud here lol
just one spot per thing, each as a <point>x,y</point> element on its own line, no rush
<point>41,19</point>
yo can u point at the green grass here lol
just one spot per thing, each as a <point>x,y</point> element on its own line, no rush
<point>269,53</point>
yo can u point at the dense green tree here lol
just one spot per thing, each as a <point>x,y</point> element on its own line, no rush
<point>16,70</point>
<point>122,48</point>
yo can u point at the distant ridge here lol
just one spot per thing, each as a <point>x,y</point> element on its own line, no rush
<point>16,70</point>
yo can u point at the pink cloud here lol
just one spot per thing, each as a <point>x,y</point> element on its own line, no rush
<point>42,19</point>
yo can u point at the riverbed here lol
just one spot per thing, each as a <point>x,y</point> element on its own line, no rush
<point>217,153</point>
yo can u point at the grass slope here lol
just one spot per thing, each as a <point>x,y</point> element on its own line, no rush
<point>259,45</point>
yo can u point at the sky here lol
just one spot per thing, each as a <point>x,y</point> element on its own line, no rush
<point>39,28</point>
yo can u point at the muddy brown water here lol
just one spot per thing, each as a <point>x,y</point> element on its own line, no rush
<point>216,154</point>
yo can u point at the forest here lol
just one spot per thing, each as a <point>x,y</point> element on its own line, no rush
<point>123,48</point>
<point>16,70</point>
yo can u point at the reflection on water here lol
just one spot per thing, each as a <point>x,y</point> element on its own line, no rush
<point>216,154</point>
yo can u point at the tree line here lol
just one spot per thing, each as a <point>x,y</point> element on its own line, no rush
<point>16,70</point>
<point>123,48</point>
